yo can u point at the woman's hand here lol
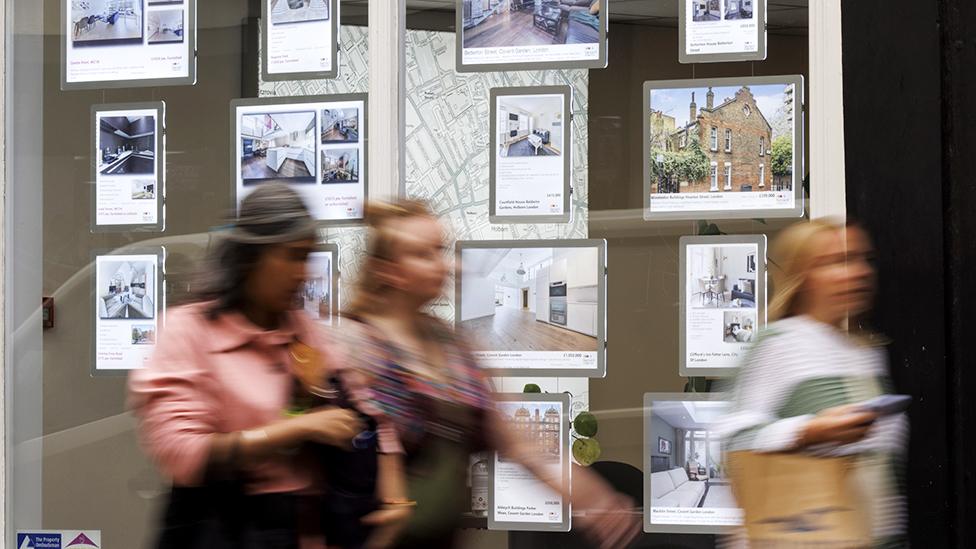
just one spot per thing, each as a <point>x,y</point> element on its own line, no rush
<point>837,425</point>
<point>612,522</point>
<point>332,426</point>
<point>388,522</point>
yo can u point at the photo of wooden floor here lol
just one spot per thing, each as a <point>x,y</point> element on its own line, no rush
<point>525,148</point>
<point>256,167</point>
<point>508,29</point>
<point>518,330</point>
<point>106,29</point>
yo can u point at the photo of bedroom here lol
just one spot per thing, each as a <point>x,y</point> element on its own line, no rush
<point>500,23</point>
<point>278,147</point>
<point>340,126</point>
<point>165,26</point>
<point>530,125</point>
<point>531,299</point>
<point>340,165</point>
<point>740,326</point>
<point>536,424</point>
<point>126,145</point>
<point>106,22</point>
<point>125,289</point>
<point>298,11</point>
<point>691,474</point>
<point>721,277</point>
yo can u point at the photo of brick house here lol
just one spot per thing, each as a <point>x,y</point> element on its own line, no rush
<point>719,146</point>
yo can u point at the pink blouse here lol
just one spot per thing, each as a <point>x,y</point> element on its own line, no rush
<point>220,376</point>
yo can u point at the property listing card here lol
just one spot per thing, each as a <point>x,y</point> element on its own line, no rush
<point>534,307</point>
<point>116,43</point>
<point>732,28</point>
<point>521,35</point>
<point>731,147</point>
<point>301,37</point>
<point>129,166</point>
<point>519,499</point>
<point>126,307</point>
<point>531,165</point>
<point>724,294</point>
<point>687,488</point>
<point>315,145</point>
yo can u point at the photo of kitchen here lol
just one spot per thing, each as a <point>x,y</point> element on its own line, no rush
<point>531,299</point>
<point>165,26</point>
<point>106,22</point>
<point>143,190</point>
<point>126,145</point>
<point>126,289</point>
<point>298,11</point>
<point>340,165</point>
<point>278,147</point>
<point>722,277</point>
<point>530,125</point>
<point>340,126</point>
<point>500,23</point>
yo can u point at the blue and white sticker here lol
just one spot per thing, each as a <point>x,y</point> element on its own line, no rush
<point>59,539</point>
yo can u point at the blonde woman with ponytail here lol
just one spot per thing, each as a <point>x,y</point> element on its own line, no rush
<point>801,387</point>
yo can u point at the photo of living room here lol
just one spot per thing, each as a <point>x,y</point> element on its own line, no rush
<point>690,473</point>
<point>125,289</point>
<point>721,277</point>
<point>278,147</point>
<point>738,9</point>
<point>298,11</point>
<point>340,126</point>
<point>530,299</point>
<point>340,165</point>
<point>143,334</point>
<point>530,125</point>
<point>126,145</point>
<point>740,326</point>
<point>106,22</point>
<point>706,10</point>
<point>165,26</point>
<point>500,23</point>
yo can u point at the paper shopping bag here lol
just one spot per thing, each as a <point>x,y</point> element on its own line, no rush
<point>797,500</point>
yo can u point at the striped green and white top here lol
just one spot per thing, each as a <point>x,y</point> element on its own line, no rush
<point>798,367</point>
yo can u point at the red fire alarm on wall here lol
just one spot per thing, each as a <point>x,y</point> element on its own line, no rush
<point>47,312</point>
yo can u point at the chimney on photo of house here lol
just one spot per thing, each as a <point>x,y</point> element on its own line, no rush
<point>693,108</point>
<point>709,99</point>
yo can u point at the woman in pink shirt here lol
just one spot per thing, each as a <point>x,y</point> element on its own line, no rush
<point>212,403</point>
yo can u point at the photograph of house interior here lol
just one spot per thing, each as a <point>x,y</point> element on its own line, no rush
<point>126,145</point>
<point>340,126</point>
<point>315,296</point>
<point>340,165</point>
<point>721,277</point>
<point>165,26</point>
<point>106,22</point>
<point>692,474</point>
<point>143,190</point>
<point>500,23</point>
<point>531,299</point>
<point>278,146</point>
<point>298,11</point>
<point>530,125</point>
<point>738,9</point>
<point>706,10</point>
<point>126,289</point>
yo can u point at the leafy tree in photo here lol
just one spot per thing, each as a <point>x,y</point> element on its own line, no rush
<point>688,164</point>
<point>782,156</point>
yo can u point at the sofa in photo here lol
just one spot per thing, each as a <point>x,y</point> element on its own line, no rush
<point>500,23</point>
<point>674,488</point>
